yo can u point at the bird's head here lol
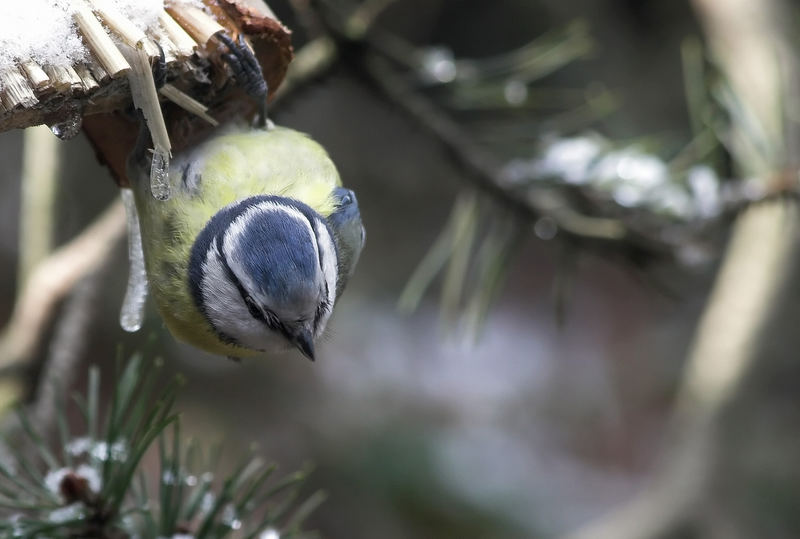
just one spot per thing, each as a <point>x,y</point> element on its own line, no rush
<point>265,272</point>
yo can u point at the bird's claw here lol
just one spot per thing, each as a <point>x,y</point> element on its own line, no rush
<point>247,72</point>
<point>160,68</point>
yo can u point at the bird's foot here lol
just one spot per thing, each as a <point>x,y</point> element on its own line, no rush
<point>160,68</point>
<point>247,72</point>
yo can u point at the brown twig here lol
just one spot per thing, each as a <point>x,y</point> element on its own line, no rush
<point>310,63</point>
<point>52,279</point>
<point>40,167</point>
<point>377,55</point>
<point>485,170</point>
<point>67,348</point>
<point>307,18</point>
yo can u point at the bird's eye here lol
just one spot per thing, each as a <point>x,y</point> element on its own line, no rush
<point>255,312</point>
<point>347,199</point>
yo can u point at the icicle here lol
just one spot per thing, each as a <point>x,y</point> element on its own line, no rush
<point>132,313</point>
<point>159,175</point>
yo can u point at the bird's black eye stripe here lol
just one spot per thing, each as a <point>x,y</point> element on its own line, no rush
<point>267,317</point>
<point>255,312</point>
<point>323,307</point>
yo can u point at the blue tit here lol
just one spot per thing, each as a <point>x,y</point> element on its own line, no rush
<point>255,245</point>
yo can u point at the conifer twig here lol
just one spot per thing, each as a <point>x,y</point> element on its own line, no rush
<point>486,172</point>
<point>95,481</point>
<point>378,53</point>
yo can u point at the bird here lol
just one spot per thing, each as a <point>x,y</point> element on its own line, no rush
<point>258,239</point>
<point>254,246</point>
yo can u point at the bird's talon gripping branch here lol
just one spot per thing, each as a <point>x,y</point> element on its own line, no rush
<point>247,72</point>
<point>160,68</point>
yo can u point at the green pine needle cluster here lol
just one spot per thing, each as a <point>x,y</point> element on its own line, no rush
<point>96,485</point>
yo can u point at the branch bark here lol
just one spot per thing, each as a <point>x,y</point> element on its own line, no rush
<point>52,279</point>
<point>40,166</point>
<point>68,347</point>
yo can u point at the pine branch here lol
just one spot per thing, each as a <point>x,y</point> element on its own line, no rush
<point>94,485</point>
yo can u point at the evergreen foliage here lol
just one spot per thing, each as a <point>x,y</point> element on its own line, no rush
<point>98,485</point>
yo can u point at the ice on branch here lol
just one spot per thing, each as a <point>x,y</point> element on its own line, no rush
<point>630,177</point>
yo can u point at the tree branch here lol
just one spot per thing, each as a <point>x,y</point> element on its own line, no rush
<point>70,341</point>
<point>40,165</point>
<point>754,271</point>
<point>52,279</point>
<point>747,36</point>
<point>485,170</point>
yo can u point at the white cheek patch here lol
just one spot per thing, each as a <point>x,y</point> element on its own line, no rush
<point>222,299</point>
<point>330,271</point>
<point>226,310</point>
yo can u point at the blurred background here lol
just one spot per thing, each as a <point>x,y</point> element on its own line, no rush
<point>556,408</point>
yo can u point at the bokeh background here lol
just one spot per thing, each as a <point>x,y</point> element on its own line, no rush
<point>538,424</point>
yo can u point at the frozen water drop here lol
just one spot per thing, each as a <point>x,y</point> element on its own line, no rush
<point>705,186</point>
<point>159,175</point>
<point>207,502</point>
<point>515,92</point>
<point>569,158</point>
<point>438,66</point>
<point>79,446</point>
<point>545,228</point>
<point>132,313</point>
<point>53,479</point>
<point>269,533</point>
<point>230,518</point>
<point>75,511</point>
<point>70,125</point>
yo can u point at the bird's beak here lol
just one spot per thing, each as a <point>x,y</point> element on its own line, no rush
<point>305,343</point>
